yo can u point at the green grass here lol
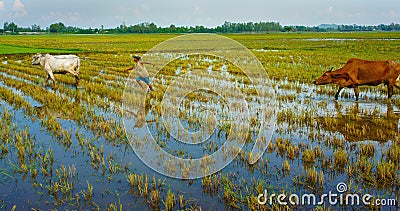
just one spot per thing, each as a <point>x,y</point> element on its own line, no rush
<point>295,56</point>
<point>82,43</point>
<point>15,49</point>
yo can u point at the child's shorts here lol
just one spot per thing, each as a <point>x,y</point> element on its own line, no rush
<point>146,80</point>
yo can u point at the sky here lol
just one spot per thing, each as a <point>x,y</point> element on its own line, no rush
<point>210,13</point>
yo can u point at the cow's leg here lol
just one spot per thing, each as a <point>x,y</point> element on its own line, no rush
<point>356,92</point>
<point>76,80</point>
<point>47,80</point>
<point>76,75</point>
<point>52,78</point>
<point>390,91</point>
<point>337,93</point>
<point>397,84</point>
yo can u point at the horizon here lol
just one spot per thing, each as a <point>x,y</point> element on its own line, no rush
<point>188,26</point>
<point>110,14</point>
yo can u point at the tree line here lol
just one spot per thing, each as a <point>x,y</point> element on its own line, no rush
<point>226,27</point>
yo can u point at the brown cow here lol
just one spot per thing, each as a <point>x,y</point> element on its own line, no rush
<point>359,72</point>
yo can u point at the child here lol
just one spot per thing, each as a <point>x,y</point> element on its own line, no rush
<point>141,69</point>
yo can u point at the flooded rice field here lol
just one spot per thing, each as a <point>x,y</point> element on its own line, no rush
<point>82,148</point>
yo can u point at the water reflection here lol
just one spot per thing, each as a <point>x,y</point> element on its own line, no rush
<point>356,125</point>
<point>43,111</point>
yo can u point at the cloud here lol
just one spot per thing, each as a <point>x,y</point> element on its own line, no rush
<point>330,9</point>
<point>68,17</point>
<point>392,14</point>
<point>1,5</point>
<point>18,5</point>
<point>197,9</point>
<point>141,10</point>
<point>145,6</point>
<point>18,10</point>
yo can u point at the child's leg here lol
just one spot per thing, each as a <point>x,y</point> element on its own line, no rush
<point>139,83</point>
<point>147,81</point>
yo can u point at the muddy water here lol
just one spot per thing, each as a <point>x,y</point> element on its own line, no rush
<point>307,117</point>
<point>310,118</point>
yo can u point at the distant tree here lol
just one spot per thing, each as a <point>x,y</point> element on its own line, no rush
<point>152,28</point>
<point>12,27</point>
<point>57,27</point>
<point>5,26</point>
<point>287,28</point>
<point>172,28</point>
<point>35,28</point>
<point>226,27</point>
<point>249,26</point>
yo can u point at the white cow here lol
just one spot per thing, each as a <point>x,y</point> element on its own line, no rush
<point>61,64</point>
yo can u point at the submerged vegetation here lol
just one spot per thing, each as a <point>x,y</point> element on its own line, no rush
<point>67,148</point>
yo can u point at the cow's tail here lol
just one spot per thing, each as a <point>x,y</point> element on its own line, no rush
<point>397,68</point>
<point>78,66</point>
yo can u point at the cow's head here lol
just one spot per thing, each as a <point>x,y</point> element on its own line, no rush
<point>325,78</point>
<point>330,76</point>
<point>36,59</point>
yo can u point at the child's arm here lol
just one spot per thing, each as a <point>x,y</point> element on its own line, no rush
<point>148,63</point>
<point>128,69</point>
